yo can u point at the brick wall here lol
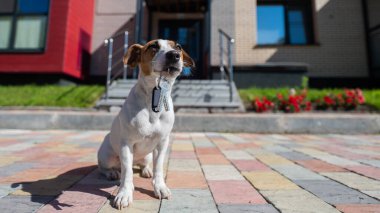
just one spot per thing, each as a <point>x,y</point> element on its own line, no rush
<point>223,17</point>
<point>111,16</point>
<point>340,31</point>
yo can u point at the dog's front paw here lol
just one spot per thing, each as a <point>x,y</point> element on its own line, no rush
<point>124,197</point>
<point>161,191</point>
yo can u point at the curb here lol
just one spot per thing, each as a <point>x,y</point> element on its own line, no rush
<point>318,123</point>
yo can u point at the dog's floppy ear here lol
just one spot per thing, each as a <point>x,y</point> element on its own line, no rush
<point>187,60</point>
<point>133,56</point>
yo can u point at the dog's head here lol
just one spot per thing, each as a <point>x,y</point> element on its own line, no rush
<point>157,56</point>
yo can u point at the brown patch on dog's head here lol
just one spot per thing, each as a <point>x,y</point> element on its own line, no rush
<point>144,55</point>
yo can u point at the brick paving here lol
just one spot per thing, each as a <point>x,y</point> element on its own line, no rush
<point>47,171</point>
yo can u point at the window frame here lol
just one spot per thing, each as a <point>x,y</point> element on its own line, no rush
<point>14,15</point>
<point>309,22</point>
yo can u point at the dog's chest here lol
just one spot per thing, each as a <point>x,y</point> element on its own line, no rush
<point>149,124</point>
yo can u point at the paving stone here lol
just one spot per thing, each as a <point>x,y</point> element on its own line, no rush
<point>184,165</point>
<point>237,155</point>
<point>80,198</point>
<point>235,208</point>
<point>273,159</point>
<point>335,193</point>
<point>194,200</point>
<point>182,147</point>
<point>213,160</point>
<point>207,151</point>
<point>186,180</point>
<point>297,200</point>
<point>250,165</point>
<point>269,180</point>
<point>203,143</point>
<point>359,208</point>
<point>295,172</point>
<point>234,138</point>
<point>183,155</point>
<point>320,166</point>
<point>294,156</point>
<point>276,149</point>
<point>354,180</point>
<point>368,171</point>
<point>371,162</point>
<point>372,193</point>
<point>221,172</point>
<point>324,156</point>
<point>19,204</point>
<point>235,192</point>
<point>138,206</point>
<point>15,168</point>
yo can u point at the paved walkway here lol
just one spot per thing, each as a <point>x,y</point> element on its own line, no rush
<point>56,170</point>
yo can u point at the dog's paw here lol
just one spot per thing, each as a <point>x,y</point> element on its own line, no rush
<point>113,174</point>
<point>124,197</point>
<point>146,172</point>
<point>162,191</point>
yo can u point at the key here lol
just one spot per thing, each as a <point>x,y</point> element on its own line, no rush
<point>156,96</point>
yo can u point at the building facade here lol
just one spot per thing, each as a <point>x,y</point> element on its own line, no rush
<point>330,40</point>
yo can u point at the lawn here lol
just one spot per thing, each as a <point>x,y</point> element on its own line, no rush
<point>50,95</point>
<point>372,96</point>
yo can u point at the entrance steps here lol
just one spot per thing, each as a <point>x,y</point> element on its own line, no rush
<point>187,94</point>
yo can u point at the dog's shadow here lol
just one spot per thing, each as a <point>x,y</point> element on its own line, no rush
<point>84,179</point>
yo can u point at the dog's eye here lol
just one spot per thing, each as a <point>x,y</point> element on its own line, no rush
<point>178,46</point>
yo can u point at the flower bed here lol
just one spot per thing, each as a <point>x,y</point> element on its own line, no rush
<point>298,101</point>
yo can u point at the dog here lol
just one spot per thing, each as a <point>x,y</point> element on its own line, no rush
<point>140,132</point>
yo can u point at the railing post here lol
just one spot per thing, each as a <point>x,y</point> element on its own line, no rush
<point>125,67</point>
<point>109,42</point>
<point>221,58</point>
<point>230,67</point>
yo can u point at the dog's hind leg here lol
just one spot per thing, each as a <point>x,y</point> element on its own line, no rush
<point>146,171</point>
<point>108,161</point>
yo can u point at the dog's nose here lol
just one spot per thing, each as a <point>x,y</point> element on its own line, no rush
<point>173,56</point>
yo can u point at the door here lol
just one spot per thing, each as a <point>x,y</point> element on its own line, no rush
<point>188,33</point>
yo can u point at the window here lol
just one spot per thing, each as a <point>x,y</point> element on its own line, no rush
<point>284,22</point>
<point>23,25</point>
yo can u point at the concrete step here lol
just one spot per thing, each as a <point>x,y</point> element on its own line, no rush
<point>185,93</point>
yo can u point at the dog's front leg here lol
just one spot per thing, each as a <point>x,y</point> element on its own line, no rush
<point>160,189</point>
<point>125,195</point>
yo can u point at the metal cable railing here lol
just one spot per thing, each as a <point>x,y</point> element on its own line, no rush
<point>224,68</point>
<point>111,53</point>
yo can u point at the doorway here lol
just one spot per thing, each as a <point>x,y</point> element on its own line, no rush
<point>189,34</point>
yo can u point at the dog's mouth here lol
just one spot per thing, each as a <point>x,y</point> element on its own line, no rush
<point>172,69</point>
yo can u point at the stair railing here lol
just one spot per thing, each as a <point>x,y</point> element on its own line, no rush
<point>111,65</point>
<point>229,67</point>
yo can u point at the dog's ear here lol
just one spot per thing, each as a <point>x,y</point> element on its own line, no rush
<point>133,56</point>
<point>187,60</point>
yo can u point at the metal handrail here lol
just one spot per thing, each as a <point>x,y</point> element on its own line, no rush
<point>109,42</point>
<point>230,67</point>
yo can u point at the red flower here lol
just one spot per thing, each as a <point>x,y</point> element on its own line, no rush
<point>328,100</point>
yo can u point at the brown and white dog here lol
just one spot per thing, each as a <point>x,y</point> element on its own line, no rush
<point>138,134</point>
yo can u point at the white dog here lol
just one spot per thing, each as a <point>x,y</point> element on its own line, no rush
<point>143,125</point>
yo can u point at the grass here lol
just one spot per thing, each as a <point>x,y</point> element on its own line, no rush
<point>372,96</point>
<point>50,95</point>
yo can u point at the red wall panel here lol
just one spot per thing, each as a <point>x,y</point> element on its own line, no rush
<point>68,41</point>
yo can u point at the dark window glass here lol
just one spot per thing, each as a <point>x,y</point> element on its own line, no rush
<point>271,24</point>
<point>7,6</point>
<point>284,22</point>
<point>33,6</point>
<point>23,29</point>
<point>297,31</point>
